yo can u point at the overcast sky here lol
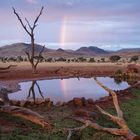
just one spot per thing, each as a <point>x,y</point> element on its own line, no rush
<point>70,24</point>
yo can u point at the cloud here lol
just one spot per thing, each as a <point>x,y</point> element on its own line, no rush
<point>32,1</point>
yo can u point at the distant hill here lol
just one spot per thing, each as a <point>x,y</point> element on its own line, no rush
<point>128,52</point>
<point>18,49</point>
<point>92,50</point>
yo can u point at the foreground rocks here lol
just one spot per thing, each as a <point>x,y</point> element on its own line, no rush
<point>81,102</point>
<point>27,103</point>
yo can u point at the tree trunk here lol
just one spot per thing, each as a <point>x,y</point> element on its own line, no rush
<point>34,70</point>
<point>30,32</point>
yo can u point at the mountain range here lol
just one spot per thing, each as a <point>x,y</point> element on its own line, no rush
<point>18,49</point>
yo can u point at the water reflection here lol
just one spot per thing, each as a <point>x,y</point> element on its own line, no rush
<point>118,81</point>
<point>66,89</point>
<point>33,90</point>
<point>4,99</point>
<point>130,81</point>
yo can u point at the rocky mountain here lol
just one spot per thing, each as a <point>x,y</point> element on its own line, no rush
<point>18,49</point>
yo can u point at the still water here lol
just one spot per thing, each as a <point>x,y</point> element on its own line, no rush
<point>66,89</point>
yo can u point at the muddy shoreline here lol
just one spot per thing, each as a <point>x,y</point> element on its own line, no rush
<point>103,101</point>
<point>22,73</point>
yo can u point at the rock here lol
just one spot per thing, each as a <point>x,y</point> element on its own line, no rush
<point>30,102</point>
<point>50,104</point>
<point>137,138</point>
<point>69,103</point>
<point>94,115</point>
<point>47,99</point>
<point>39,101</point>
<point>90,101</point>
<point>23,103</point>
<point>81,113</point>
<point>1,102</point>
<point>84,101</point>
<point>15,103</point>
<point>59,103</point>
<point>77,102</point>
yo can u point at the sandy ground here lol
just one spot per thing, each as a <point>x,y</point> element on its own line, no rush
<point>23,71</point>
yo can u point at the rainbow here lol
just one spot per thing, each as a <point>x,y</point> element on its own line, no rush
<point>62,44</point>
<point>63,33</point>
<point>64,88</point>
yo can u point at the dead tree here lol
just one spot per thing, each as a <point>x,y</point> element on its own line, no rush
<point>6,68</point>
<point>22,112</point>
<point>30,31</point>
<point>26,114</point>
<point>32,90</point>
<point>124,130</point>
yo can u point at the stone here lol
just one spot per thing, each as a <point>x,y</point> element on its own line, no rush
<point>59,103</point>
<point>23,103</point>
<point>81,113</point>
<point>39,101</point>
<point>47,102</point>
<point>137,138</point>
<point>90,101</point>
<point>77,102</point>
<point>94,115</point>
<point>84,101</point>
<point>31,103</point>
<point>1,102</point>
<point>50,104</point>
<point>47,99</point>
<point>15,103</point>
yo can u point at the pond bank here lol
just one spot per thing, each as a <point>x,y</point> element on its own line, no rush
<point>23,71</point>
<point>13,127</point>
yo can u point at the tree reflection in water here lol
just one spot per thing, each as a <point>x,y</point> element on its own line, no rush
<point>32,90</point>
<point>4,99</point>
<point>118,81</point>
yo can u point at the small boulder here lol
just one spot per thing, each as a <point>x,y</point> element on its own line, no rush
<point>39,101</point>
<point>50,104</point>
<point>94,115</point>
<point>81,113</point>
<point>15,103</point>
<point>59,103</point>
<point>90,101</point>
<point>1,102</point>
<point>23,103</point>
<point>137,138</point>
<point>47,99</point>
<point>84,101</point>
<point>77,102</point>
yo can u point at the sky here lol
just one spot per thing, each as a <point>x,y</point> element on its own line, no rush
<point>70,24</point>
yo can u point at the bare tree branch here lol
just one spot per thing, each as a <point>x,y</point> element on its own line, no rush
<point>114,96</point>
<point>28,55</point>
<point>28,23</point>
<point>26,114</point>
<point>24,26</point>
<point>39,89</point>
<point>122,131</point>
<point>40,13</point>
<point>40,55</point>
<point>8,67</point>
